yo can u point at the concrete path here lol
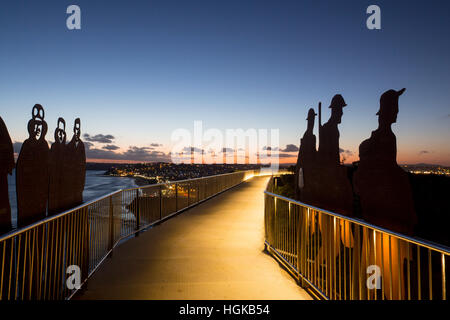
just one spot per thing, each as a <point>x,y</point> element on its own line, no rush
<point>212,251</point>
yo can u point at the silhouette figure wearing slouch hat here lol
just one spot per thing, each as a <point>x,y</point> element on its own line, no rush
<point>6,167</point>
<point>336,191</point>
<point>32,171</point>
<point>306,163</point>
<point>385,194</point>
<point>383,187</point>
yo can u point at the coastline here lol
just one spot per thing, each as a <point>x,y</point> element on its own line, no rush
<point>140,181</point>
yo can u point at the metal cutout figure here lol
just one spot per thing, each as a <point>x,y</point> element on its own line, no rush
<point>6,167</point>
<point>383,187</point>
<point>32,171</point>
<point>336,192</point>
<point>57,198</point>
<point>305,182</point>
<point>76,159</point>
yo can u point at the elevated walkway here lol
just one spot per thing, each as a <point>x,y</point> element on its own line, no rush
<point>211,251</point>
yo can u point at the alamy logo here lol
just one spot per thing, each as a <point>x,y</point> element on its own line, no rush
<point>374,20</point>
<point>215,146</point>
<point>74,279</point>
<point>74,20</point>
<point>374,279</point>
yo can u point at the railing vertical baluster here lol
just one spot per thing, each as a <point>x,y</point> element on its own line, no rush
<point>303,239</point>
<point>345,259</point>
<point>444,284</point>
<point>419,276</point>
<point>160,202</point>
<point>366,247</point>
<point>17,268</point>
<point>11,267</point>
<point>430,275</point>
<point>383,284</point>
<point>3,253</point>
<point>357,261</point>
<point>176,197</point>
<point>390,270</point>
<point>138,212</point>
<point>316,247</point>
<point>25,267</point>
<point>298,225</point>
<point>334,257</point>
<point>339,237</point>
<point>400,268</point>
<point>408,271</point>
<point>321,258</point>
<point>189,195</point>
<point>274,225</point>
<point>375,257</point>
<point>111,226</point>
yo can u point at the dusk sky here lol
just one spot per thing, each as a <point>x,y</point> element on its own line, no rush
<point>138,70</point>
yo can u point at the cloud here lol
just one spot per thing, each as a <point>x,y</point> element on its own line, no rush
<point>285,155</point>
<point>192,149</point>
<point>100,138</point>
<point>290,148</point>
<point>110,147</point>
<point>143,154</point>
<point>227,150</point>
<point>269,148</point>
<point>346,152</point>
<point>156,145</point>
<point>424,152</point>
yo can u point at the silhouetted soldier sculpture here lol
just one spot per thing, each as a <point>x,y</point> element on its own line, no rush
<point>76,157</point>
<point>336,192</point>
<point>6,167</point>
<point>57,199</point>
<point>383,187</point>
<point>385,193</point>
<point>305,171</point>
<point>32,171</point>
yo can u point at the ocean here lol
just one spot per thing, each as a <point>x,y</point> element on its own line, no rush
<point>96,186</point>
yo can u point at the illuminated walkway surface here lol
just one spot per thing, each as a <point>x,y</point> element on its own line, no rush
<point>212,251</point>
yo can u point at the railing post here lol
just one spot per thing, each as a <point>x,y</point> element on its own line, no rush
<point>111,226</point>
<point>138,213</point>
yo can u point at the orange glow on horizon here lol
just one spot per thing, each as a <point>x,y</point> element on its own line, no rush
<point>410,158</point>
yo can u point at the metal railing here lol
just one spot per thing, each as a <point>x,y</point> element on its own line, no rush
<point>34,260</point>
<point>340,258</point>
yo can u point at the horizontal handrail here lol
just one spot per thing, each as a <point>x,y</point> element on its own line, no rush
<point>425,243</point>
<point>59,215</point>
<point>34,259</point>
<point>334,256</point>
